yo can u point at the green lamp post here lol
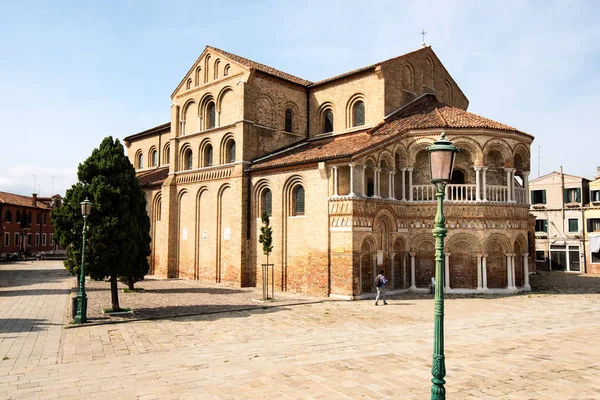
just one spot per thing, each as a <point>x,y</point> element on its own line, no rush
<point>441,164</point>
<point>81,317</point>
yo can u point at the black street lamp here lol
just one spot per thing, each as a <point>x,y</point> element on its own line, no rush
<point>81,317</point>
<point>441,164</point>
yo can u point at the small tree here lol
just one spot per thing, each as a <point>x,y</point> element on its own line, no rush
<point>266,238</point>
<point>266,235</point>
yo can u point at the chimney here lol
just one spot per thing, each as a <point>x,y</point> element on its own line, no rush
<point>597,172</point>
<point>34,199</point>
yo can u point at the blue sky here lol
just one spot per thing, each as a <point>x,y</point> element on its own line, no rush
<point>73,72</point>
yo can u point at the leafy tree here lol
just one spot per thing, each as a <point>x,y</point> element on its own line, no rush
<point>266,235</point>
<point>118,226</point>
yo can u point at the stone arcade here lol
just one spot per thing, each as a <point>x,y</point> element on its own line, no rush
<point>341,166</point>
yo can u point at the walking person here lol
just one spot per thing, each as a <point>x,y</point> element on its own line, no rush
<point>380,284</point>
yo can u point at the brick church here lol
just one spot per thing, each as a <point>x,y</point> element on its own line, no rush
<point>341,167</point>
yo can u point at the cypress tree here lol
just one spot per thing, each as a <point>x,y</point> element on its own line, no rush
<point>118,226</point>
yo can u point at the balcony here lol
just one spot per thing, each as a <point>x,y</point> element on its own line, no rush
<point>466,193</point>
<point>360,181</point>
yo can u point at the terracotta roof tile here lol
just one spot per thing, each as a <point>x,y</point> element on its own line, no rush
<point>261,67</point>
<point>425,112</point>
<point>23,201</point>
<point>320,149</point>
<point>153,178</point>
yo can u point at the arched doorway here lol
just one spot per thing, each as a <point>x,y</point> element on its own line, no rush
<point>425,264</point>
<point>400,273</point>
<point>518,260</point>
<point>367,267</point>
<point>463,261</point>
<point>496,249</point>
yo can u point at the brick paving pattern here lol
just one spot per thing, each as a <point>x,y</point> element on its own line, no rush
<point>177,297</point>
<point>532,346</point>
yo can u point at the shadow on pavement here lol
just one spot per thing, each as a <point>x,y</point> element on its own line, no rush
<point>176,312</point>
<point>17,277</point>
<point>17,325</point>
<point>33,292</point>
<point>203,290</point>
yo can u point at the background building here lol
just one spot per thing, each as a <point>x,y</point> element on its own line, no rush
<point>26,225</point>
<point>558,201</point>
<point>341,166</point>
<point>592,227</point>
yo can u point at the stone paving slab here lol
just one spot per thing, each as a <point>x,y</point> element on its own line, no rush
<point>33,306</point>
<point>533,346</point>
<point>177,297</point>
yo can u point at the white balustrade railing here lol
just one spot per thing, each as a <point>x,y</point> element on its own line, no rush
<point>520,195</point>
<point>423,193</point>
<point>467,193</point>
<point>463,193</point>
<point>497,193</point>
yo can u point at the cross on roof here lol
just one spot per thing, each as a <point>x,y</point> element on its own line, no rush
<point>423,33</point>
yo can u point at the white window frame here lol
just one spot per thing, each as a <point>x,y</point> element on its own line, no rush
<point>43,239</point>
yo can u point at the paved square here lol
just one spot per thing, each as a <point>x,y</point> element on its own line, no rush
<point>536,346</point>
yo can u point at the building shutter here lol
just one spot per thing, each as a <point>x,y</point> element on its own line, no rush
<point>546,225</point>
<point>544,196</point>
<point>565,195</point>
<point>578,195</point>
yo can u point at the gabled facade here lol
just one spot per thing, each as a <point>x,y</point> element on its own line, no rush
<point>341,167</point>
<point>557,202</point>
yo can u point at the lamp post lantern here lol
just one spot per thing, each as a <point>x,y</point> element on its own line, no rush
<point>81,317</point>
<point>441,164</point>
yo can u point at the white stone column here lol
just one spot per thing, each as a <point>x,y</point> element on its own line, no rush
<point>484,271</point>
<point>412,270</point>
<point>410,185</point>
<point>182,128</point>
<point>404,271</point>
<point>526,186</point>
<point>403,184</point>
<point>335,180</point>
<point>376,182</point>
<point>526,271</point>
<point>447,272</point>
<point>509,184</point>
<point>199,123</point>
<point>510,275</point>
<point>391,184</point>
<point>484,169</point>
<point>479,282</point>
<point>477,183</point>
<point>512,185</point>
<point>351,165</point>
<point>512,271</point>
<point>392,280</point>
<point>508,189</point>
<point>363,180</point>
